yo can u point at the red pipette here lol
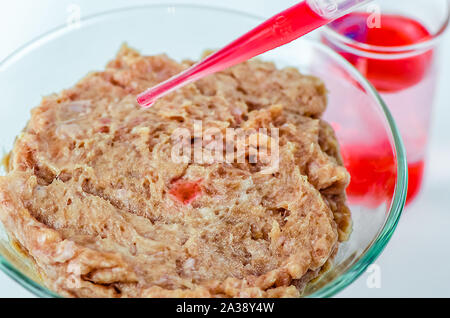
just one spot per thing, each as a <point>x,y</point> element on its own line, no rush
<point>279,30</point>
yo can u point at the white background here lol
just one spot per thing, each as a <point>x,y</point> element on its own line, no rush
<point>416,261</point>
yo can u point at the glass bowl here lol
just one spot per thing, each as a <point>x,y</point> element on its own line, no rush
<point>60,58</point>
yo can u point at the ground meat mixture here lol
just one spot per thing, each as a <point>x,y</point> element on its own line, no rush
<point>94,198</point>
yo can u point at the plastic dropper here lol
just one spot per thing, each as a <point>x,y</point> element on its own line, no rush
<point>279,30</point>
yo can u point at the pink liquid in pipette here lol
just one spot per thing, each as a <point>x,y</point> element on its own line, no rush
<point>277,31</point>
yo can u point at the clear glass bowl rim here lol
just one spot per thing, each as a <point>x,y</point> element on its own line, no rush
<point>398,201</point>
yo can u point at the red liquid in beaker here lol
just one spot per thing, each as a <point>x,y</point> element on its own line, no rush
<point>403,83</point>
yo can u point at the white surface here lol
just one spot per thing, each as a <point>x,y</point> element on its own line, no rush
<point>415,262</point>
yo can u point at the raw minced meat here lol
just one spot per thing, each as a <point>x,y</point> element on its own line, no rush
<point>93,197</point>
